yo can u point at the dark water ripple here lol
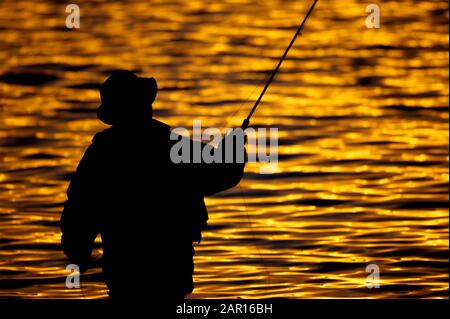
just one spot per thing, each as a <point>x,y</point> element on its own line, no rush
<point>362,116</point>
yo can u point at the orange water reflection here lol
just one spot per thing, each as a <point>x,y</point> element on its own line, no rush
<point>363,126</point>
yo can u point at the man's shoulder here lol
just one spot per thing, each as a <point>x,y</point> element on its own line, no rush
<point>156,130</point>
<point>103,136</point>
<point>160,125</point>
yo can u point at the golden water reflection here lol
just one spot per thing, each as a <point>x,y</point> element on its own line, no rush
<point>363,126</point>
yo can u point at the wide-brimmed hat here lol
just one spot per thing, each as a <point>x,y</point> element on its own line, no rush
<point>126,98</point>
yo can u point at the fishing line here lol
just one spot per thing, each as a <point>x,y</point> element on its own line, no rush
<point>252,232</point>
<point>275,70</point>
<point>264,80</point>
<point>246,123</point>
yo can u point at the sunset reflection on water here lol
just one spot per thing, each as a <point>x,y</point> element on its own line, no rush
<point>362,116</point>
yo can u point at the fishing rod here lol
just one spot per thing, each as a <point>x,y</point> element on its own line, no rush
<point>246,122</point>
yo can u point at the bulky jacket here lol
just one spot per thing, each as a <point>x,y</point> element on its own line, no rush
<point>147,209</point>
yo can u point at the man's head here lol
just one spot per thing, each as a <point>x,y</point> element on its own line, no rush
<point>126,98</point>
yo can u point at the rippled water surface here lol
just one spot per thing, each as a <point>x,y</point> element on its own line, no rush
<point>363,127</point>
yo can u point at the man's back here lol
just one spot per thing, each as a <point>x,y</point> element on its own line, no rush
<point>127,189</point>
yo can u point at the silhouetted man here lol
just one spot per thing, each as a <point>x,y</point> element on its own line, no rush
<point>147,209</point>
